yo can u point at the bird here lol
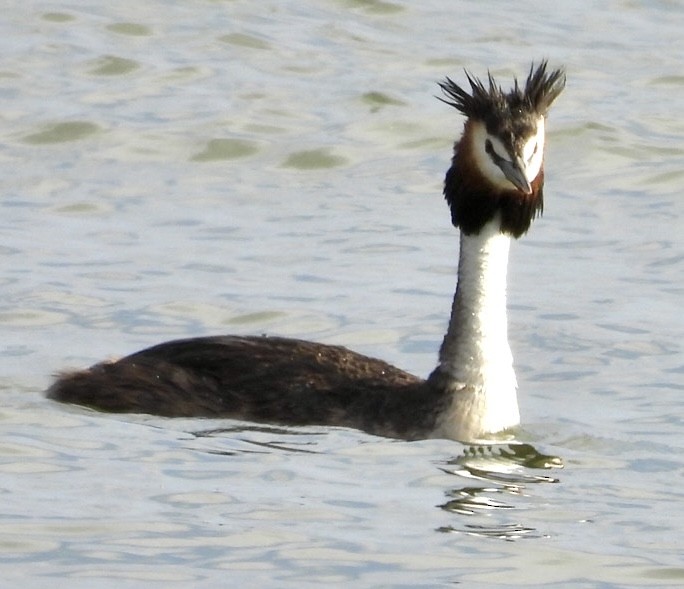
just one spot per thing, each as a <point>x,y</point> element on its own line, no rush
<point>494,189</point>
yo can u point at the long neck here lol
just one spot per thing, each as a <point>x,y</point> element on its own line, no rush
<point>475,360</point>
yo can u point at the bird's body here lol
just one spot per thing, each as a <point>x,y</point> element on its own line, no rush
<point>272,379</point>
<point>494,188</point>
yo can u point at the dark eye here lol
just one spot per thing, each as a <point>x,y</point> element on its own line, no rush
<point>489,148</point>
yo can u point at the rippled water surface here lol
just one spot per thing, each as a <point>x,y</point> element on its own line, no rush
<point>186,168</point>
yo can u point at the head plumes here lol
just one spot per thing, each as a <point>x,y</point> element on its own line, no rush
<point>541,88</point>
<point>492,105</point>
<point>480,102</point>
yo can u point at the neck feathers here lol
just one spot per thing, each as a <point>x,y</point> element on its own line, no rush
<point>475,360</point>
<point>475,201</point>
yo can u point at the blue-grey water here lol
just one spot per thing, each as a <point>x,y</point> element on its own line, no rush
<point>186,168</point>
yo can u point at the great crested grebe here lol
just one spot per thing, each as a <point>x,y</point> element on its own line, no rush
<point>494,188</point>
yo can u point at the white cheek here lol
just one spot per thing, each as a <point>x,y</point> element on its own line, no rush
<point>499,148</point>
<point>484,162</point>
<point>534,159</point>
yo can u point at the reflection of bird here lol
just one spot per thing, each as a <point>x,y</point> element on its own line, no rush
<point>494,189</point>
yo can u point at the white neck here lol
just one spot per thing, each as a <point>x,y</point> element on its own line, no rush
<point>475,360</point>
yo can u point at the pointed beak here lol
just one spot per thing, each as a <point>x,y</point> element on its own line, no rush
<point>515,172</point>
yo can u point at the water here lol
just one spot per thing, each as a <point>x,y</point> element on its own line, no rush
<point>174,169</point>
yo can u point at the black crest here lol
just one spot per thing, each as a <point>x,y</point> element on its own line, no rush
<point>496,107</point>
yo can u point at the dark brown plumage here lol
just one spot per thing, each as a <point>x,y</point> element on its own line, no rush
<point>298,381</point>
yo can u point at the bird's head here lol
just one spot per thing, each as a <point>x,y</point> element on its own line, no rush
<point>498,162</point>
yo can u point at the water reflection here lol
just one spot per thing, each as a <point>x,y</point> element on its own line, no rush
<point>261,446</point>
<point>495,473</point>
<point>495,477</point>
